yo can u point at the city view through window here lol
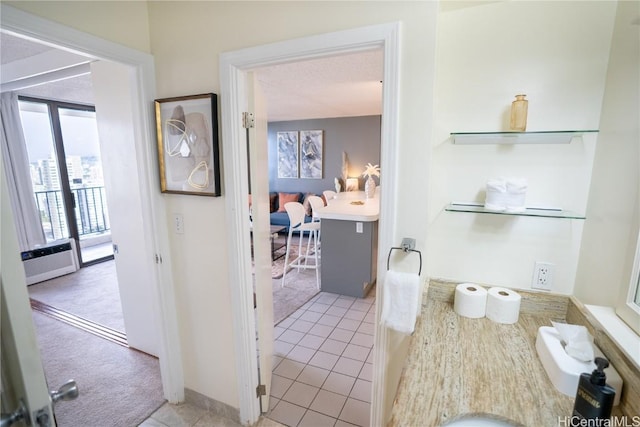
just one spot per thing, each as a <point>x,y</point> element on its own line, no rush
<point>78,131</point>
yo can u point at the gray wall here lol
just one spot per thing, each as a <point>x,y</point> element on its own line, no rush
<point>359,137</point>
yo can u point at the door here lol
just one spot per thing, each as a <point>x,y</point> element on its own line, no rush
<point>113,85</point>
<point>23,380</point>
<point>78,133</point>
<point>66,173</point>
<point>259,185</point>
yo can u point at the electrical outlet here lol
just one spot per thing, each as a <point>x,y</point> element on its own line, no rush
<point>542,276</point>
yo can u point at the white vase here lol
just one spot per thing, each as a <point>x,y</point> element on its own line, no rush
<point>369,188</point>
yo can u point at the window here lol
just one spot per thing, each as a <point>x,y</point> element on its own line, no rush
<point>629,308</point>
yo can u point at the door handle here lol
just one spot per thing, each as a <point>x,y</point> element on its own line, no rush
<point>67,391</point>
<point>20,414</point>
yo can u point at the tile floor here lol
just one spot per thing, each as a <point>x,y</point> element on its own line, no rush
<point>321,371</point>
<point>323,364</point>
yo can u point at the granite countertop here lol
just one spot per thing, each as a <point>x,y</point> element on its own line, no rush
<point>458,366</point>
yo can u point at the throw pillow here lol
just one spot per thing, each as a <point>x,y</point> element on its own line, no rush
<point>307,205</point>
<point>273,199</point>
<point>284,198</point>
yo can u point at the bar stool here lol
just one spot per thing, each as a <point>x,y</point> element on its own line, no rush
<point>329,195</point>
<point>295,211</point>
<point>316,203</point>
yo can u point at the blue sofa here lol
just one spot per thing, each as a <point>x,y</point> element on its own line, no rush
<point>282,218</point>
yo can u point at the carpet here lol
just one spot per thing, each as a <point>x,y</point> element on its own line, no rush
<point>91,293</point>
<point>118,386</point>
<point>277,266</point>
<point>299,288</point>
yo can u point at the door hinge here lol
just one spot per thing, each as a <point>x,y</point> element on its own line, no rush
<point>261,390</point>
<point>248,120</point>
<point>158,259</point>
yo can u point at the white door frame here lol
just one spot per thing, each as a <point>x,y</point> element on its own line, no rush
<point>233,68</point>
<point>156,234</point>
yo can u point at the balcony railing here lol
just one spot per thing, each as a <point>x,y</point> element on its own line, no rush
<point>90,209</point>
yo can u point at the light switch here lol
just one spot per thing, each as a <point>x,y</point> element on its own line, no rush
<point>359,228</point>
<point>178,223</point>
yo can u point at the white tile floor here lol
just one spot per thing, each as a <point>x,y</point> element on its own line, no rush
<point>323,363</point>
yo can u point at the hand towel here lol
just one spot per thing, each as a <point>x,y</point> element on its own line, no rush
<point>401,301</point>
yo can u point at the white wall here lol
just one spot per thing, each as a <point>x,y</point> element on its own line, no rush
<point>487,54</point>
<point>126,24</point>
<point>611,232</point>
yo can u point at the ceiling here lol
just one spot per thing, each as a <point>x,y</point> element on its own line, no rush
<point>337,86</point>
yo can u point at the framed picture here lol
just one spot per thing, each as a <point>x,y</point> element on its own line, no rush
<point>287,154</point>
<point>187,129</point>
<point>311,154</point>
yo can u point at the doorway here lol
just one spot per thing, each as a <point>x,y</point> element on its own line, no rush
<point>323,352</point>
<point>150,240</point>
<point>233,71</point>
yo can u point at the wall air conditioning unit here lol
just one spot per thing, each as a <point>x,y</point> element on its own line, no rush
<point>54,260</point>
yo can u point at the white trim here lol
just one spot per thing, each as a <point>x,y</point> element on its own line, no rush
<point>20,23</point>
<point>53,76</point>
<point>626,339</point>
<point>634,282</point>
<point>233,66</point>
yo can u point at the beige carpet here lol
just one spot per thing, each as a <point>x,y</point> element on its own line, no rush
<point>118,386</point>
<point>91,293</point>
<point>299,288</point>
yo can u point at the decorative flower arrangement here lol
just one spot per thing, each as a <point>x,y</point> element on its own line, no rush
<point>371,170</point>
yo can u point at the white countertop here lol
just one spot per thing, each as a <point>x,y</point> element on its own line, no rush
<point>341,208</point>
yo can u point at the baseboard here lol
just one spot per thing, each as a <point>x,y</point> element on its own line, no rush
<point>211,405</point>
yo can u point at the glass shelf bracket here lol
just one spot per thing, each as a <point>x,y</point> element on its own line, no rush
<point>531,137</point>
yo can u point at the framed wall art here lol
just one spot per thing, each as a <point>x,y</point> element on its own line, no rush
<point>311,154</point>
<point>287,154</point>
<point>188,152</point>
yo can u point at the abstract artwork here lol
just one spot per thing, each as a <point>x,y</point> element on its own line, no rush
<point>187,129</point>
<point>287,154</point>
<point>311,154</point>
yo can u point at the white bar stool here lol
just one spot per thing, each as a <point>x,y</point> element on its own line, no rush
<point>295,210</point>
<point>316,203</point>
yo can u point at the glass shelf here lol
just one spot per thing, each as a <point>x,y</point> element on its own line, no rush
<point>533,137</point>
<point>536,212</point>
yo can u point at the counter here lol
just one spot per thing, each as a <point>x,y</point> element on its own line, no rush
<point>341,208</point>
<point>458,366</point>
<point>349,235</point>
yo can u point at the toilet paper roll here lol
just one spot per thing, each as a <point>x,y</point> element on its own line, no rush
<point>503,305</point>
<point>470,300</point>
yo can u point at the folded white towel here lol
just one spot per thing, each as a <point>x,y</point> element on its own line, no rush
<point>401,301</point>
<point>516,185</point>
<point>516,193</point>
<point>496,197</point>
